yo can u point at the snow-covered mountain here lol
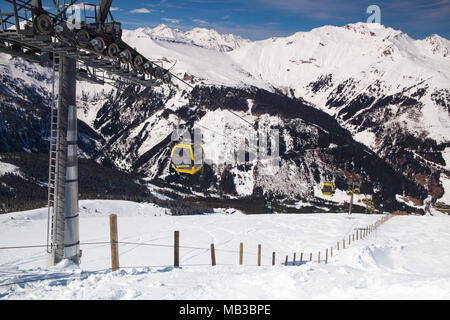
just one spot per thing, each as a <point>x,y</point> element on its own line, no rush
<point>322,89</point>
<point>347,70</point>
<point>202,37</point>
<point>379,83</point>
<point>383,86</point>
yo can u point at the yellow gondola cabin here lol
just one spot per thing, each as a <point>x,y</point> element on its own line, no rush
<point>187,158</point>
<point>328,189</point>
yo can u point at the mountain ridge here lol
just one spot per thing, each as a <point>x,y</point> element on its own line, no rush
<point>202,37</point>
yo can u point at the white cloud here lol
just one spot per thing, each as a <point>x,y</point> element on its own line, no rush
<point>141,10</point>
<point>81,6</point>
<point>201,22</point>
<point>171,20</point>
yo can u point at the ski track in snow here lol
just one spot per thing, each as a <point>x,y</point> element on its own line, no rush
<point>404,259</point>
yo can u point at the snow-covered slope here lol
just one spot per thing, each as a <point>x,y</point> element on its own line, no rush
<point>402,259</point>
<point>187,60</point>
<point>6,168</point>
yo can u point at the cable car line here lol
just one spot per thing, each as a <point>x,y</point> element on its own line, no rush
<point>226,137</point>
<point>187,165</point>
<point>212,100</point>
<point>185,147</point>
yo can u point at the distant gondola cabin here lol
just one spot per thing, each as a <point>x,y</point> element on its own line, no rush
<point>328,189</point>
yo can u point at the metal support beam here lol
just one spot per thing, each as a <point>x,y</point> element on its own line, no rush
<point>65,234</point>
<point>16,17</point>
<point>67,92</point>
<point>37,3</point>
<point>58,160</point>
<point>71,233</point>
<point>350,208</point>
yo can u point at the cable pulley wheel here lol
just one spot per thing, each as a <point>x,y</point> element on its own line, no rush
<point>83,38</point>
<point>138,62</point>
<point>113,50</point>
<point>148,68</point>
<point>166,78</point>
<point>43,24</point>
<point>98,44</point>
<point>125,56</point>
<point>158,72</point>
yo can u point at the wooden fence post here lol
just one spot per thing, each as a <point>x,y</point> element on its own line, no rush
<point>293,261</point>
<point>343,244</point>
<point>286,262</point>
<point>349,239</point>
<point>176,250</point>
<point>338,245</point>
<point>273,258</point>
<point>326,256</point>
<point>318,259</point>
<point>310,256</point>
<point>331,251</point>
<point>114,239</point>
<point>241,253</point>
<point>301,258</point>
<point>259,255</point>
<point>213,255</point>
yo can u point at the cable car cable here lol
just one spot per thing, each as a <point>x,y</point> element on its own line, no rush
<point>212,100</point>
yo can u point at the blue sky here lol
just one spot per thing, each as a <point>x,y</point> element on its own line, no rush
<point>261,19</point>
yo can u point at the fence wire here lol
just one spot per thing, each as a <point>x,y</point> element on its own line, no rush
<point>82,275</point>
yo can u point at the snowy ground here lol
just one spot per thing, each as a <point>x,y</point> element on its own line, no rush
<point>405,258</point>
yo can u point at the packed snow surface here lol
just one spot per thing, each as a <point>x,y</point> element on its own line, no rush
<point>405,258</point>
<point>6,168</point>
